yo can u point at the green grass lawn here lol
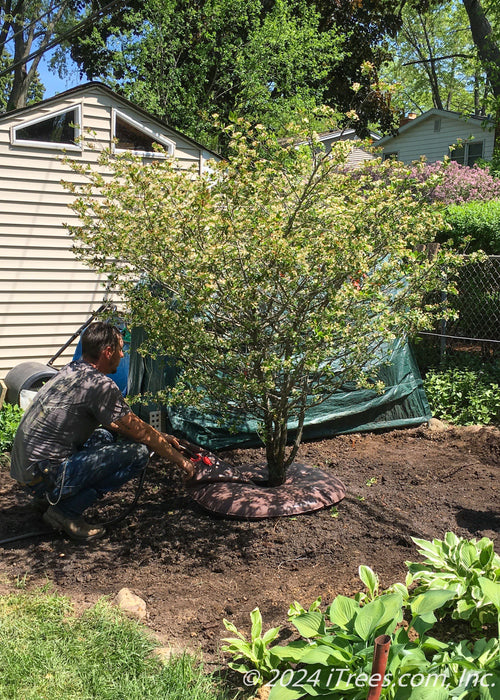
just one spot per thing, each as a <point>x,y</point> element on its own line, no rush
<point>49,652</point>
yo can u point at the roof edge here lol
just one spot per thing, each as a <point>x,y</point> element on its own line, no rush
<point>106,89</point>
<point>434,112</point>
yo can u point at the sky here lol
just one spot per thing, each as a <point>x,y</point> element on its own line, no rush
<point>53,84</point>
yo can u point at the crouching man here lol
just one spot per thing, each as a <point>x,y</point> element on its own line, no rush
<point>79,439</point>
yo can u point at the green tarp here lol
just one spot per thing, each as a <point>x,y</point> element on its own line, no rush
<point>403,403</point>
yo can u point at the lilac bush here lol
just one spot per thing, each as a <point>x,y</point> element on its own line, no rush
<point>460,183</point>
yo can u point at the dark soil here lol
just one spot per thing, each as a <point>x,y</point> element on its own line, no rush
<point>193,569</point>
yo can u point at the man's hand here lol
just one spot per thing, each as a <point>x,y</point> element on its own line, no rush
<point>172,441</point>
<point>189,469</point>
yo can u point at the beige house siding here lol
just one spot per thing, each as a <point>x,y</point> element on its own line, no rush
<point>45,293</point>
<point>358,155</point>
<point>432,134</point>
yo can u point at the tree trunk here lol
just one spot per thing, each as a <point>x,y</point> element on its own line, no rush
<point>19,93</point>
<point>276,440</point>
<point>487,48</point>
<point>431,67</point>
<point>489,54</point>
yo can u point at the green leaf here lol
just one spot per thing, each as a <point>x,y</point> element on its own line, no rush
<point>429,693</point>
<point>377,614</point>
<point>292,652</point>
<point>489,688</point>
<point>342,611</point>
<point>430,600</point>
<point>487,552</point>
<point>422,623</point>
<point>369,578</point>
<point>468,555</point>
<point>232,628</point>
<point>309,624</point>
<point>256,619</point>
<point>285,692</point>
<point>491,589</point>
<point>271,635</point>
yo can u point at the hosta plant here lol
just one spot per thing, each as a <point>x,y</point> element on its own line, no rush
<point>335,650</point>
<point>473,669</point>
<point>332,658</point>
<point>457,564</point>
<point>253,654</point>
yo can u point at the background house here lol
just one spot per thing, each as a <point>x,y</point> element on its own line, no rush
<point>358,154</point>
<point>45,293</point>
<point>433,133</point>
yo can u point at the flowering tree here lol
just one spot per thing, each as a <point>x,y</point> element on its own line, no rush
<point>272,279</point>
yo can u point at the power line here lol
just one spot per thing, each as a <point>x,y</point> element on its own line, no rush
<point>58,40</point>
<point>35,21</point>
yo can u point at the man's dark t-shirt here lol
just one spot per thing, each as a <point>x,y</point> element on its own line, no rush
<point>64,414</point>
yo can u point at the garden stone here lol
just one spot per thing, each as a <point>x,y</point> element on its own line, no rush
<point>438,426</point>
<point>131,604</point>
<point>165,653</point>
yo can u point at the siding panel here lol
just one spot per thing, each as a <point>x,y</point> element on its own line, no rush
<point>421,139</point>
<point>46,294</point>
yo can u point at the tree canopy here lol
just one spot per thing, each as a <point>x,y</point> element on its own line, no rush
<point>264,59</point>
<point>447,55</point>
<point>272,279</point>
<point>435,62</point>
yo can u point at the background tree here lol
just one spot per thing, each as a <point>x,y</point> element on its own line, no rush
<point>435,62</point>
<point>484,18</point>
<point>183,61</point>
<point>35,89</point>
<point>27,27</point>
<point>272,280</point>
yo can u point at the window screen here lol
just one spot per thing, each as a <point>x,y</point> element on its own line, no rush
<point>467,154</point>
<point>458,154</point>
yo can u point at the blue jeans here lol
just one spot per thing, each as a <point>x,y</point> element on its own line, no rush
<point>103,464</point>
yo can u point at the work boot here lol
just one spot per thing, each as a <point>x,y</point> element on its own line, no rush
<point>76,528</point>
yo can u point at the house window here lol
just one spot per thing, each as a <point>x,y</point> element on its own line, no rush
<point>468,153</point>
<point>475,152</point>
<point>130,135</point>
<point>437,125</point>
<point>393,155</point>
<point>59,130</point>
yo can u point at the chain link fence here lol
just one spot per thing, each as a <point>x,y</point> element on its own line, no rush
<point>477,306</point>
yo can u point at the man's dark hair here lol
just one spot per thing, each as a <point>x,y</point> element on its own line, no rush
<point>97,337</point>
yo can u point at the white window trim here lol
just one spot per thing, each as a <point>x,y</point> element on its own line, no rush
<point>157,136</point>
<point>50,144</point>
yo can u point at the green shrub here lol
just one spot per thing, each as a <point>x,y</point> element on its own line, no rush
<point>464,396</point>
<point>10,416</point>
<point>478,220</point>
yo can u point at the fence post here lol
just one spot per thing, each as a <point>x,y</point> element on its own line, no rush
<point>442,324</point>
